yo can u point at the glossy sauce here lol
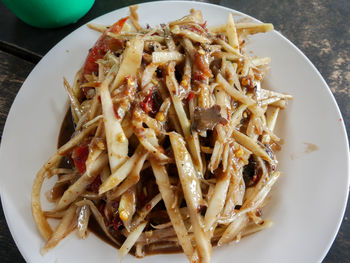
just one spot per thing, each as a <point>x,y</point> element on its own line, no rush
<point>95,228</point>
<point>67,129</point>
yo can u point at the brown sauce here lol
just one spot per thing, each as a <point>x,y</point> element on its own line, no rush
<point>67,129</point>
<point>95,228</point>
<point>310,147</point>
<point>57,191</point>
<point>165,250</point>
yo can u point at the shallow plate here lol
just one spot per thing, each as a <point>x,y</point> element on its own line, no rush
<point>307,204</point>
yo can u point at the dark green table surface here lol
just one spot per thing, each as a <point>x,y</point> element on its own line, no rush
<point>320,28</point>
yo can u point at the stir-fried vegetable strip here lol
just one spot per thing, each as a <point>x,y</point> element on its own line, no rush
<point>174,140</point>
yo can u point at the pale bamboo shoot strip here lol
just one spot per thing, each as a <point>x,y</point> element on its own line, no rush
<point>117,143</point>
<point>63,229</point>
<point>192,193</point>
<point>191,138</point>
<point>168,196</point>
<point>98,218</point>
<point>120,174</point>
<point>131,62</point>
<point>251,145</point>
<point>131,240</point>
<point>217,201</point>
<point>232,33</point>
<point>83,221</point>
<point>80,185</point>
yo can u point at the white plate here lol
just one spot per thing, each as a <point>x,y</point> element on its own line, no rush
<point>307,204</point>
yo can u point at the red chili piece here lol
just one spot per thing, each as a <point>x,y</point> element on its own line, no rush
<point>203,71</point>
<point>190,96</point>
<point>115,109</point>
<point>194,29</point>
<point>198,75</point>
<point>95,185</point>
<point>117,222</point>
<point>80,155</point>
<point>103,44</point>
<point>148,105</point>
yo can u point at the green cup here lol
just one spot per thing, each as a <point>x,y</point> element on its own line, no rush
<point>49,13</point>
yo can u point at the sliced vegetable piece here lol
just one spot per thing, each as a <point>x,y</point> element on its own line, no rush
<point>192,193</point>
<point>117,143</point>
